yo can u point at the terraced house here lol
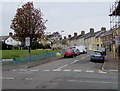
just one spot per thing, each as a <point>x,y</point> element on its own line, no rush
<point>92,40</point>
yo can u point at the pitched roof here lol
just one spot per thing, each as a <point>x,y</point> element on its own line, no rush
<point>72,38</point>
<point>3,38</point>
<point>92,35</point>
<point>100,33</point>
<point>107,32</point>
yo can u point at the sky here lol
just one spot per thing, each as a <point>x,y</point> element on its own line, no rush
<point>68,16</point>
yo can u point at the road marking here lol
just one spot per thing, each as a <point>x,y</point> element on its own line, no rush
<point>74,62</point>
<point>8,78</point>
<point>34,70</point>
<point>100,71</point>
<point>83,57</point>
<point>22,69</point>
<point>57,69</point>
<point>28,78</point>
<point>67,70</point>
<point>62,66</point>
<point>46,70</point>
<point>90,71</point>
<point>77,70</point>
<point>14,70</point>
<point>113,70</point>
<point>91,81</point>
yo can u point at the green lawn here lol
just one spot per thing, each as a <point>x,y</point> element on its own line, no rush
<point>6,54</point>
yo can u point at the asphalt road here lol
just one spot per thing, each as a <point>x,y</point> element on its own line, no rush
<point>65,73</point>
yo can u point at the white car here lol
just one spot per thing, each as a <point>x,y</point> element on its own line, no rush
<point>82,49</point>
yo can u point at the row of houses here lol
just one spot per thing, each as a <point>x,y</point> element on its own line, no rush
<point>92,40</point>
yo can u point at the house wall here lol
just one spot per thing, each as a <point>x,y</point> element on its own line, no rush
<point>11,41</point>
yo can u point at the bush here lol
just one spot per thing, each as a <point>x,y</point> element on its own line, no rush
<point>5,46</point>
<point>35,45</point>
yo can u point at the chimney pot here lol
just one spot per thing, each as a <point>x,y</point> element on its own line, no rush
<point>10,34</point>
<point>75,34</point>
<point>64,37</point>
<point>69,36</point>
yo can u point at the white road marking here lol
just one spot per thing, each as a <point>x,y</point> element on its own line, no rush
<point>34,70</point>
<point>8,78</point>
<point>14,70</point>
<point>46,70</point>
<point>74,62</point>
<point>90,71</point>
<point>62,66</point>
<point>113,70</point>
<point>67,70</point>
<point>28,78</point>
<point>57,69</point>
<point>82,58</point>
<point>102,72</point>
<point>22,69</point>
<point>91,81</point>
<point>77,70</point>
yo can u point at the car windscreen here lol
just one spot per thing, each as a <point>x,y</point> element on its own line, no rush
<point>102,49</point>
<point>96,53</point>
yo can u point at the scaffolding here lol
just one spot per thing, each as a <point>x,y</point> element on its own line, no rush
<point>115,15</point>
<point>115,27</point>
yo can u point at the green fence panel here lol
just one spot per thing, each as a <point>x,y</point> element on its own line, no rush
<point>32,58</point>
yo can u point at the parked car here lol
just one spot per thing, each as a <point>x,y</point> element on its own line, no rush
<point>103,50</point>
<point>69,53</point>
<point>77,51</point>
<point>97,56</point>
<point>82,49</point>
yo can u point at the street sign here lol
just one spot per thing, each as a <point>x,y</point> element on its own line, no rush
<point>27,41</point>
<point>117,40</point>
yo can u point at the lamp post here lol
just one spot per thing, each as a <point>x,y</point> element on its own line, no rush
<point>61,33</point>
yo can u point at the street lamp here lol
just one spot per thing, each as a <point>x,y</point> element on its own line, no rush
<point>61,33</point>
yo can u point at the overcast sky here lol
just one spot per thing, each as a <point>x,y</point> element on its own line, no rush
<point>68,16</point>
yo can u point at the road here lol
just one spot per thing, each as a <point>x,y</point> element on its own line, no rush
<point>65,73</point>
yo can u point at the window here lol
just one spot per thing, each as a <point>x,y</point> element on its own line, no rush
<point>106,37</point>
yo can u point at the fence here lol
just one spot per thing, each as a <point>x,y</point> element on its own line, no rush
<point>32,58</point>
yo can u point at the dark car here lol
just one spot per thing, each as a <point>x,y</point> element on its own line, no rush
<point>97,56</point>
<point>103,50</point>
<point>69,53</point>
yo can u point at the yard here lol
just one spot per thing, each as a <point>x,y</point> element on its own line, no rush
<point>9,54</point>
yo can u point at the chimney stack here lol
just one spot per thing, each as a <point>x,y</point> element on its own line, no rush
<point>92,30</point>
<point>64,37</point>
<point>10,34</point>
<point>69,36</point>
<point>103,29</point>
<point>75,34</point>
<point>82,32</point>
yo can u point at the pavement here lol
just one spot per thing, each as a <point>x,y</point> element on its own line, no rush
<point>111,64</point>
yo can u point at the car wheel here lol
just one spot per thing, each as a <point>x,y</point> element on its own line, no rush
<point>73,56</point>
<point>90,60</point>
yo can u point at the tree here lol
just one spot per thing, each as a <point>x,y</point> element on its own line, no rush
<point>28,22</point>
